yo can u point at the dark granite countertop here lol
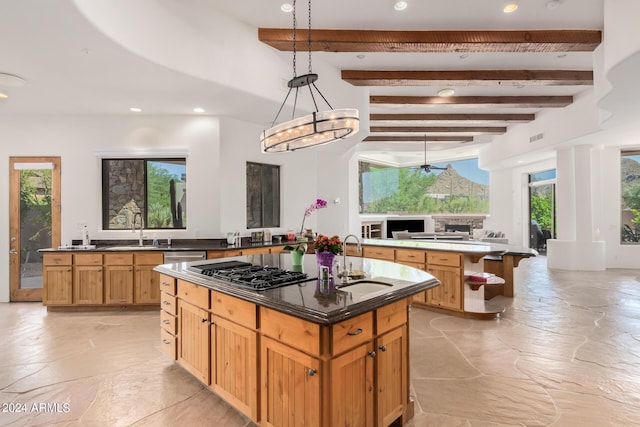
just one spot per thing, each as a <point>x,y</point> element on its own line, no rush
<point>305,300</point>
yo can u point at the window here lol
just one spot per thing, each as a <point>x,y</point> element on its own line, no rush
<point>630,195</point>
<point>460,188</point>
<point>263,195</point>
<point>155,188</point>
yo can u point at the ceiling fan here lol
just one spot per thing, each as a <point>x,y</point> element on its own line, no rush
<point>427,167</point>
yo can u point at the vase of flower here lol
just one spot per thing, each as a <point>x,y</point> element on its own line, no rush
<point>325,259</point>
<point>296,258</point>
<point>326,249</point>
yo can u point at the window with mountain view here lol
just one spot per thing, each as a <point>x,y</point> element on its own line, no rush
<point>460,188</point>
<point>630,192</point>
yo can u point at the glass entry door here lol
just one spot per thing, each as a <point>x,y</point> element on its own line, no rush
<point>542,209</point>
<point>34,222</point>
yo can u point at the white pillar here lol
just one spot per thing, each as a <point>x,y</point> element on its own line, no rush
<point>576,248</point>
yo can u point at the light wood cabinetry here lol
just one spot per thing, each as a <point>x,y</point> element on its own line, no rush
<point>450,292</point>
<point>245,251</point>
<point>168,316</point>
<point>291,386</point>
<point>193,340</point>
<point>101,278</point>
<point>377,252</point>
<point>146,289</point>
<point>392,366</point>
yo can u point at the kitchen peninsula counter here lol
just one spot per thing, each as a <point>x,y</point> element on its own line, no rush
<point>338,356</point>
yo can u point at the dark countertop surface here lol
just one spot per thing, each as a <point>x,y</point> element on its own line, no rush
<point>306,300</point>
<point>470,247</point>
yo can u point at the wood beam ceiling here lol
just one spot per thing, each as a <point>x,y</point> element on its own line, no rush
<point>495,101</point>
<point>493,130</point>
<point>418,138</point>
<point>468,78</point>
<point>515,118</point>
<point>324,40</point>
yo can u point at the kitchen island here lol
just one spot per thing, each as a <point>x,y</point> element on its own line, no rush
<point>301,354</point>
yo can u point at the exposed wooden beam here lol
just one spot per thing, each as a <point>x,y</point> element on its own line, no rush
<point>418,138</point>
<point>497,101</point>
<point>325,40</point>
<point>468,78</point>
<point>516,118</point>
<point>494,130</point>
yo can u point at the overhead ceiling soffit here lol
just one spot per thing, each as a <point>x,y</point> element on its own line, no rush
<point>417,138</point>
<point>468,78</point>
<point>493,130</point>
<point>324,40</point>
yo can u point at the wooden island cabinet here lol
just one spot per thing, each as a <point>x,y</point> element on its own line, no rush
<point>274,358</point>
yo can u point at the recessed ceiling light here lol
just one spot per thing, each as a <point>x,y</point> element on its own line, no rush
<point>552,4</point>
<point>446,92</point>
<point>400,5</point>
<point>286,7</point>
<point>135,109</point>
<point>509,8</point>
<point>198,110</point>
<point>3,95</point>
<point>11,80</point>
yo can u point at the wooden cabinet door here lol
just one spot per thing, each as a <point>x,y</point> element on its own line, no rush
<point>352,388</point>
<point>57,285</point>
<point>193,340</point>
<point>87,284</point>
<point>290,394</point>
<point>118,284</point>
<point>234,365</point>
<point>392,361</point>
<point>449,293</point>
<point>146,285</point>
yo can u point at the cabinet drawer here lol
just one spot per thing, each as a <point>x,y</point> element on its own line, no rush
<point>168,322</point>
<point>149,258</point>
<point>378,253</point>
<point>168,303</point>
<point>451,259</point>
<point>57,259</point>
<point>235,252</point>
<point>215,254</point>
<point>194,294</point>
<point>297,333</point>
<point>410,255</point>
<point>352,332</point>
<point>167,284</point>
<point>168,344</point>
<point>118,259</point>
<point>87,259</point>
<point>234,309</point>
<point>391,316</point>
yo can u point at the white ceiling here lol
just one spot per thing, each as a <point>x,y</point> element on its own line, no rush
<point>72,68</point>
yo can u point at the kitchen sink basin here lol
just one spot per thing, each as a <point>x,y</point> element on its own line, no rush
<point>365,286</point>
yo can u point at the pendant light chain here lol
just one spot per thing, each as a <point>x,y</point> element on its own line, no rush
<point>309,36</point>
<point>295,74</point>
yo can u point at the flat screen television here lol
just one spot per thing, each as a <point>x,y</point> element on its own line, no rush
<point>411,225</point>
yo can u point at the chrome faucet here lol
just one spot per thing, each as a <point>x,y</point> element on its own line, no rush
<point>346,271</point>
<point>133,227</point>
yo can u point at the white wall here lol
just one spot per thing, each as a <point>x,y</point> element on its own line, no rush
<point>217,150</point>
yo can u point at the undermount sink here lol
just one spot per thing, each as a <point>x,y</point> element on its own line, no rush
<point>365,286</point>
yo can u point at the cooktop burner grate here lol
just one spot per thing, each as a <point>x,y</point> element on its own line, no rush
<point>248,275</point>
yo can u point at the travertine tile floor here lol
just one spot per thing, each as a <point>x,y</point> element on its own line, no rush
<point>566,353</point>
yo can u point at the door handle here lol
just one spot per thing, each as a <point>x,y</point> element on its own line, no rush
<point>13,251</point>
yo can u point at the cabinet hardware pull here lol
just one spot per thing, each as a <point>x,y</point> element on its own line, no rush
<point>165,284</point>
<point>166,302</point>
<point>203,320</point>
<point>312,372</point>
<point>130,270</point>
<point>166,322</point>
<point>383,348</point>
<point>443,259</point>
<point>166,341</point>
<point>353,334</point>
<point>371,354</point>
<point>211,323</point>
